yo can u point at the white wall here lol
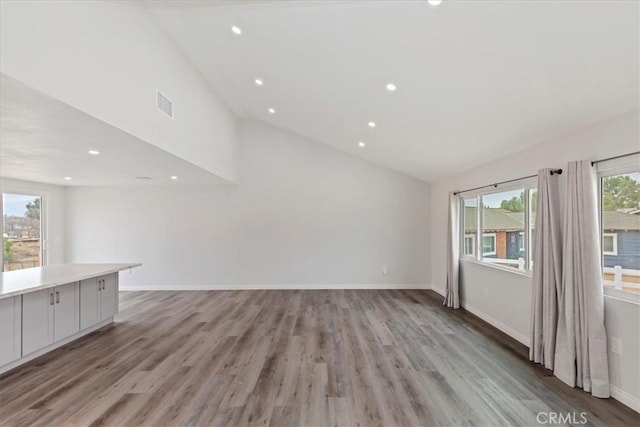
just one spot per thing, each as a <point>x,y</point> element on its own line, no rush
<point>76,52</point>
<point>53,202</point>
<point>302,214</point>
<point>504,298</point>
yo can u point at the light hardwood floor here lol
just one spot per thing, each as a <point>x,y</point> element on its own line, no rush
<point>311,358</point>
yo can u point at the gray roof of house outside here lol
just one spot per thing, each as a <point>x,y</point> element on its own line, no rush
<point>494,219</point>
<point>500,219</point>
<point>614,220</point>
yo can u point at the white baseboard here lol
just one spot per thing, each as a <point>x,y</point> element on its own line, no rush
<point>438,291</point>
<point>267,287</point>
<point>491,320</point>
<point>625,398</point>
<point>616,392</point>
<point>498,324</point>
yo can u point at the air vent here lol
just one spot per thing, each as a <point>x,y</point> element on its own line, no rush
<point>164,104</point>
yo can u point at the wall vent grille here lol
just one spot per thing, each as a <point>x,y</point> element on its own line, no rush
<point>164,104</point>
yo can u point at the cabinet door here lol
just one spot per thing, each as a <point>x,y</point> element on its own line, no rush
<point>89,302</point>
<point>66,311</point>
<point>10,329</point>
<point>109,296</point>
<point>37,320</point>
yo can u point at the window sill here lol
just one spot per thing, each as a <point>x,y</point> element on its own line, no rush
<point>498,267</point>
<point>620,294</point>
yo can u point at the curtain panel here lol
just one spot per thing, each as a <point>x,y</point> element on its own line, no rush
<point>547,270</point>
<point>581,342</point>
<point>452,298</point>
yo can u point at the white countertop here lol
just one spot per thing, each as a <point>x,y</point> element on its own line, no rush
<point>19,282</point>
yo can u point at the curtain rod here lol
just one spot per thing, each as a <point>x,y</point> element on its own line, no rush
<point>614,157</point>
<point>552,172</point>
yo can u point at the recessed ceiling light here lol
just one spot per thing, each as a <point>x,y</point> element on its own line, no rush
<point>372,124</point>
<point>434,2</point>
<point>67,178</point>
<point>361,144</point>
<point>173,177</point>
<point>94,152</point>
<point>259,82</point>
<point>236,30</point>
<point>391,87</point>
<point>272,111</point>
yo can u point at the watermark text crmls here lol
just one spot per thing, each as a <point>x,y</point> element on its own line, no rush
<point>552,418</point>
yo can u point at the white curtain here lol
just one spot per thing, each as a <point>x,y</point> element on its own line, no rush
<point>452,298</point>
<point>547,270</point>
<point>581,342</point>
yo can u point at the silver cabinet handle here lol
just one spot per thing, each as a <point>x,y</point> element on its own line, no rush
<point>104,284</point>
<point>99,285</point>
<point>51,298</point>
<point>57,297</point>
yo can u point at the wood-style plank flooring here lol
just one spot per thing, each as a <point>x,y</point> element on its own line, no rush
<point>284,358</point>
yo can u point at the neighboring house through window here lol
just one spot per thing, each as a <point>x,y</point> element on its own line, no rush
<point>497,225</point>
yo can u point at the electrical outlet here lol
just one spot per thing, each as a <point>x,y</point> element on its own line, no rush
<point>384,270</point>
<point>616,346</point>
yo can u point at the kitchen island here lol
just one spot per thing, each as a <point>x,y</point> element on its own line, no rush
<point>46,307</point>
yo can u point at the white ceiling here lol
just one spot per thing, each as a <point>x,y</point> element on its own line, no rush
<point>476,79</point>
<point>44,140</point>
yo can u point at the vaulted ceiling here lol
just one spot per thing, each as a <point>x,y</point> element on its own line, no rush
<point>475,79</point>
<point>46,140</point>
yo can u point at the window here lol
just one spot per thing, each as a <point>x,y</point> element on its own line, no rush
<point>22,243</point>
<point>503,224</point>
<point>500,234</point>
<point>521,243</point>
<point>470,223</point>
<point>620,222</point>
<point>470,244</point>
<point>610,244</point>
<point>488,244</point>
<point>533,204</point>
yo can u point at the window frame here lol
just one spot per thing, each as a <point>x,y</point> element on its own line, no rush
<point>614,237</point>
<point>526,184</point>
<point>473,245</point>
<point>495,239</point>
<point>476,245</point>
<point>44,218</point>
<point>613,167</point>
<point>522,246</point>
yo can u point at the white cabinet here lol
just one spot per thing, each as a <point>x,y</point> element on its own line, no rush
<point>98,299</point>
<point>109,296</point>
<point>66,313</point>
<point>10,329</point>
<point>37,320</point>
<point>46,307</point>
<point>89,302</point>
<point>49,315</point>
